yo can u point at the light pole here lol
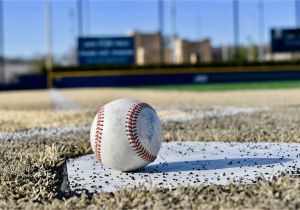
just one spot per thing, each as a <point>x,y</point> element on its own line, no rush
<point>80,18</point>
<point>161,30</point>
<point>87,17</point>
<point>236,28</point>
<point>173,29</point>
<point>261,30</point>
<point>2,66</point>
<point>48,40</point>
<point>297,15</point>
<point>198,26</point>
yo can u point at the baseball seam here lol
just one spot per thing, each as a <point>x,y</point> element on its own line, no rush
<point>132,134</point>
<point>98,135</point>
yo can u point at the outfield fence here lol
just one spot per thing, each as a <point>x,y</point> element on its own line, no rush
<point>142,77</point>
<point>138,77</point>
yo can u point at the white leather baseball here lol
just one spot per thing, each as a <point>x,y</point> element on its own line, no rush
<point>126,134</point>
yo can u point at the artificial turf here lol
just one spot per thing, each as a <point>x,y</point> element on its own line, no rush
<point>30,169</point>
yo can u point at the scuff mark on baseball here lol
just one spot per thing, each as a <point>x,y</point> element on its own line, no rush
<point>126,134</point>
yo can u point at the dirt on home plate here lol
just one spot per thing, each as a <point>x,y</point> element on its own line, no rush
<point>31,168</point>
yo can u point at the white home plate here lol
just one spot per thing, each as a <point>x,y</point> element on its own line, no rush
<point>191,163</point>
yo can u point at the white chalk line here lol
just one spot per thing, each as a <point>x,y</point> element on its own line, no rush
<point>61,102</point>
<point>165,116</point>
<point>177,115</point>
<point>173,115</point>
<point>44,132</point>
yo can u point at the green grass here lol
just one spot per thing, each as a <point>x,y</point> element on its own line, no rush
<point>228,86</point>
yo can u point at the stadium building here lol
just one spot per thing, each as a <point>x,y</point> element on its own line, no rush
<point>147,48</point>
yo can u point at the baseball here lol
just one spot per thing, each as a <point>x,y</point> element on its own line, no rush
<point>126,134</point>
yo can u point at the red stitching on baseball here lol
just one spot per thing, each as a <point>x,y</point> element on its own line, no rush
<point>132,135</point>
<point>98,135</point>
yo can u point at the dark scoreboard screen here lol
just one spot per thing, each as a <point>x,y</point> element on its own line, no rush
<point>106,50</point>
<point>285,40</point>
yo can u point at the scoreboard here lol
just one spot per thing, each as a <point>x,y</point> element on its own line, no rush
<point>285,40</point>
<point>106,50</point>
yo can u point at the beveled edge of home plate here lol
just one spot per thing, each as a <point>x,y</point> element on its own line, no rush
<point>189,164</point>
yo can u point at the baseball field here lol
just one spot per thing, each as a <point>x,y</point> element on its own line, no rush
<point>40,130</point>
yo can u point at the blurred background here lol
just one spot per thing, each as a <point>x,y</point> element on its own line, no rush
<point>98,43</point>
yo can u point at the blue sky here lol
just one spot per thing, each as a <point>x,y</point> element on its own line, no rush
<point>25,30</point>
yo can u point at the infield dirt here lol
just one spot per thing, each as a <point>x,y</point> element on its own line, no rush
<point>91,98</point>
